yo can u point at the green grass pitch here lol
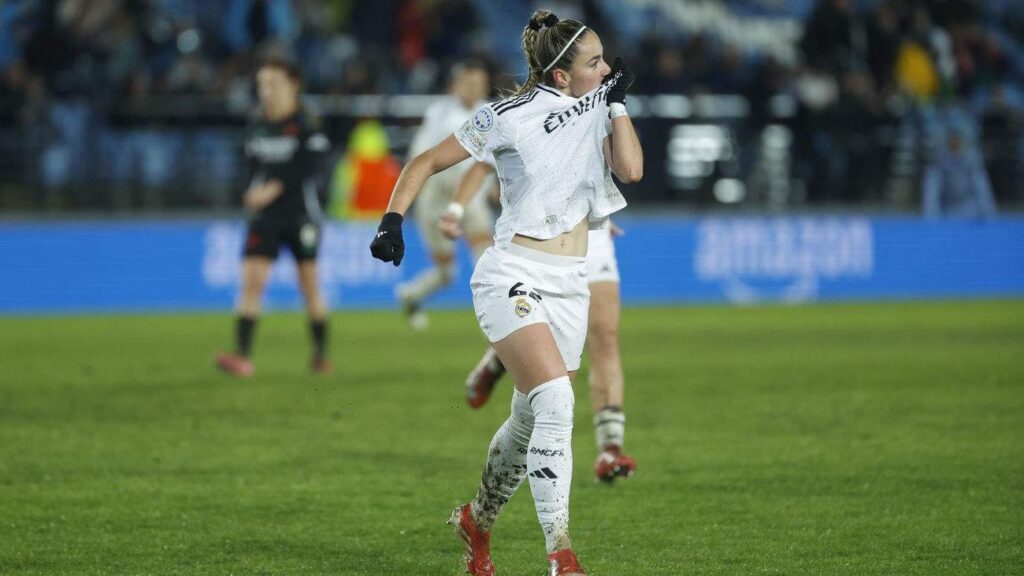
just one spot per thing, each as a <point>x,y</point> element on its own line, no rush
<point>826,439</point>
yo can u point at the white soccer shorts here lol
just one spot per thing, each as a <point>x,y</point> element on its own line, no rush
<point>434,199</point>
<point>515,286</point>
<point>601,263</point>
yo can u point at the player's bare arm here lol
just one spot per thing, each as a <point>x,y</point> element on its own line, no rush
<point>451,221</point>
<point>445,155</point>
<point>388,245</point>
<point>260,196</point>
<point>622,149</point>
<point>623,152</point>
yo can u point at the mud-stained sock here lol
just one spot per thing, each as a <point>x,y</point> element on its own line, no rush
<point>506,464</point>
<point>549,459</point>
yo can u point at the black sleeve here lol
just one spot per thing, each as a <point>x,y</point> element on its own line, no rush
<point>316,156</point>
<point>253,167</point>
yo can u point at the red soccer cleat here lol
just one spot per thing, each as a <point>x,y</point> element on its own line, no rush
<point>478,542</point>
<point>235,364</point>
<point>321,365</point>
<point>564,563</point>
<point>481,381</point>
<point>612,463</point>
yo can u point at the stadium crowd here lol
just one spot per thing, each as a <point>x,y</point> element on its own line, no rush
<point>124,92</point>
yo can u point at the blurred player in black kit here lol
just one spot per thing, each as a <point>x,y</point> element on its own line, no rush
<point>286,151</point>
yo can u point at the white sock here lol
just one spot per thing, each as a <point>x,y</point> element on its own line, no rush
<point>506,464</point>
<point>427,282</point>
<point>550,458</point>
<point>610,426</point>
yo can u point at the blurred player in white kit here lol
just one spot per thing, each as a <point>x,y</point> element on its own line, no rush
<point>470,85</point>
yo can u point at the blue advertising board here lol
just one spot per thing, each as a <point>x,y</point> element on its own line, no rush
<point>196,265</point>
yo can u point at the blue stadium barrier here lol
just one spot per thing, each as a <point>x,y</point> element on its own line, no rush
<point>194,265</point>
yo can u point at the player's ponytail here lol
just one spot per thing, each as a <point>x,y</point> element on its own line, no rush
<point>548,43</point>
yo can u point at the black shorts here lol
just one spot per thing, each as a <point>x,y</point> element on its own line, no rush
<point>265,236</point>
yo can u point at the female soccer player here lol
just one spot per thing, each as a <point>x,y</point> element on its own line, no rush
<point>470,85</point>
<point>286,150</point>
<point>553,147</point>
<point>606,382</point>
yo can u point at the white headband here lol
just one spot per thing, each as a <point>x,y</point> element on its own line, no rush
<point>559,57</point>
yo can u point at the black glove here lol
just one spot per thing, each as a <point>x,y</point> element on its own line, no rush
<point>623,78</point>
<point>388,245</point>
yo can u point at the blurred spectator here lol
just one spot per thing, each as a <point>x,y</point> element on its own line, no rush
<point>192,74</point>
<point>883,38</point>
<point>857,121</point>
<point>916,72</point>
<point>248,23</point>
<point>11,13</point>
<point>699,64</point>
<point>86,84</point>
<point>1002,127</point>
<point>815,157</point>
<point>50,51</point>
<point>979,59</point>
<point>730,73</point>
<point>769,78</point>
<point>828,40</point>
<point>446,16</point>
<point>669,72</point>
<point>956,184</point>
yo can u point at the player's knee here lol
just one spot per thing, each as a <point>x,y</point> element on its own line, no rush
<point>252,292</point>
<point>446,272</point>
<point>316,308</point>
<point>249,306</point>
<point>552,404</point>
<point>253,287</point>
<point>521,420</point>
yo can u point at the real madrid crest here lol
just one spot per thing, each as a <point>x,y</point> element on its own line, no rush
<point>522,307</point>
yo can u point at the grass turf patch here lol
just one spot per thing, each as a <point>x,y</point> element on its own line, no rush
<point>844,439</point>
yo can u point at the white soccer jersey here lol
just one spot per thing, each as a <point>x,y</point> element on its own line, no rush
<point>441,118</point>
<point>549,155</point>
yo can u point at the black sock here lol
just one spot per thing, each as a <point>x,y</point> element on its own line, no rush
<point>318,329</point>
<point>244,328</point>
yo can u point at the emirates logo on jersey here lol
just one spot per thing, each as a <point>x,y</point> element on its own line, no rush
<point>556,120</point>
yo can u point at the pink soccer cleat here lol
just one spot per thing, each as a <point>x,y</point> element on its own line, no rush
<point>612,463</point>
<point>478,542</point>
<point>235,364</point>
